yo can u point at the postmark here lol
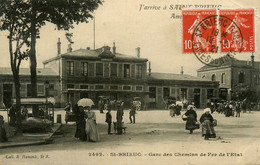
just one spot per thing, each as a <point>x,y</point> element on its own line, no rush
<point>208,34</point>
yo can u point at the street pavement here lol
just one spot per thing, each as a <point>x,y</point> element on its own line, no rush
<point>156,137</point>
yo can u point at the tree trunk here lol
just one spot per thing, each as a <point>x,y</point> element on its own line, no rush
<point>33,62</point>
<point>18,101</point>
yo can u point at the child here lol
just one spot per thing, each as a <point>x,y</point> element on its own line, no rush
<point>109,121</point>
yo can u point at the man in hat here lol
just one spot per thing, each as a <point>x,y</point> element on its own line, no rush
<point>109,121</point>
<point>132,112</point>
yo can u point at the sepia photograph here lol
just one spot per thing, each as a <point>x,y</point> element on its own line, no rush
<point>129,82</point>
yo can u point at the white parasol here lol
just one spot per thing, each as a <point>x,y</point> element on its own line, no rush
<point>85,102</point>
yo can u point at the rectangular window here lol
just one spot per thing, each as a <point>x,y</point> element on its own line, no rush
<point>183,93</point>
<point>223,78</point>
<point>83,86</point>
<point>138,71</point>
<point>210,93</point>
<point>126,70</point>
<point>84,69</point>
<point>113,70</point>
<point>70,86</point>
<point>99,87</point>
<point>126,87</point>
<point>29,88</point>
<point>139,88</point>
<point>256,80</point>
<point>114,87</point>
<point>99,69</point>
<point>40,90</point>
<point>51,87</point>
<point>166,92</point>
<point>70,68</point>
<point>241,77</point>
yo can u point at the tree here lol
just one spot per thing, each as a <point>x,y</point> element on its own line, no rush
<point>35,14</point>
<point>18,39</point>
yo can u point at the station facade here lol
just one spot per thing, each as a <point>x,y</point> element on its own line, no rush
<point>104,72</point>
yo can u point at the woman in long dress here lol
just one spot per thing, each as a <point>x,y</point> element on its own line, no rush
<point>191,119</point>
<point>207,125</point>
<point>80,123</point>
<point>91,126</point>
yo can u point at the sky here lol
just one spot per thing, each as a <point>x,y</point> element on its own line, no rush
<point>121,21</point>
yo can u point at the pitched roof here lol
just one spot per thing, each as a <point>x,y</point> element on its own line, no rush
<point>232,62</point>
<point>26,71</point>
<point>178,77</point>
<point>97,54</point>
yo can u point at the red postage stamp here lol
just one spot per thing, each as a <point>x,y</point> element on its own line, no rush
<point>192,27</point>
<point>243,20</point>
<point>210,33</point>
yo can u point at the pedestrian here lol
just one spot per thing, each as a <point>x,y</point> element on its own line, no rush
<point>12,115</point>
<point>3,137</point>
<point>178,108</point>
<point>24,113</point>
<point>80,123</point>
<point>132,112</point>
<point>173,109</point>
<point>101,105</point>
<point>238,109</point>
<point>91,125</point>
<point>109,121</point>
<point>191,123</point>
<point>207,125</point>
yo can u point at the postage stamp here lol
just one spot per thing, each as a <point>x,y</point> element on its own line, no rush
<point>209,33</point>
<point>244,20</point>
<point>191,20</point>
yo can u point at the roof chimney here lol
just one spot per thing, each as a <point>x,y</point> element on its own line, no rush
<point>138,52</point>
<point>252,60</point>
<point>114,48</point>
<point>58,46</point>
<point>149,69</point>
<point>182,70</point>
<point>247,62</point>
<point>69,48</point>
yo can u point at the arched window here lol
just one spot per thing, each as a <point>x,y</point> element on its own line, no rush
<point>223,78</point>
<point>213,77</point>
<point>241,77</point>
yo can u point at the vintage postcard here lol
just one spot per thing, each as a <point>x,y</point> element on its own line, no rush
<point>130,82</point>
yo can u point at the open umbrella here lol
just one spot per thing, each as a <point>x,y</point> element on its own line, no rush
<point>85,102</point>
